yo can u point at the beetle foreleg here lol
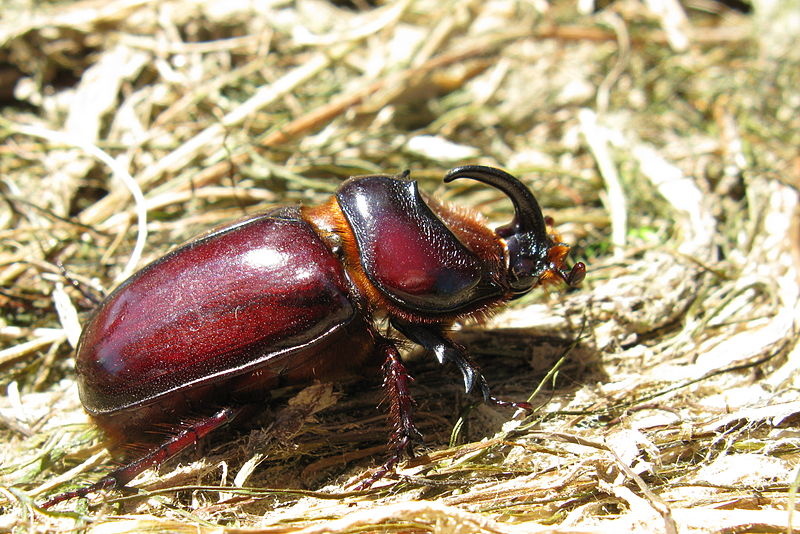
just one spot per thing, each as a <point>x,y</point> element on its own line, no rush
<point>433,340</point>
<point>396,382</point>
<point>175,444</point>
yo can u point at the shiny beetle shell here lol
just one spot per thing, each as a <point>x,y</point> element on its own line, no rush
<point>199,338</point>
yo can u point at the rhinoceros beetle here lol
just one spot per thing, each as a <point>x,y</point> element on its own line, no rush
<point>198,338</point>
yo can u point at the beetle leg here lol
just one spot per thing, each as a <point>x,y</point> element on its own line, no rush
<point>83,289</point>
<point>396,381</point>
<point>175,444</point>
<point>435,341</point>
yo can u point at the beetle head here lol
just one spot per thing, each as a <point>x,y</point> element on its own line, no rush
<point>534,256</point>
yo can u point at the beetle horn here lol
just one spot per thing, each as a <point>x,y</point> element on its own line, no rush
<point>528,216</point>
<point>526,235</point>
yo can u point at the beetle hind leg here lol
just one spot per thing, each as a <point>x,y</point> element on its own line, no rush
<point>175,444</point>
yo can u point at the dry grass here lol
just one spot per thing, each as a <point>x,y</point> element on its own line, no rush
<point>664,144</point>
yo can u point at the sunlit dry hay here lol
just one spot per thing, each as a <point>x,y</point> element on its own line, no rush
<point>661,137</point>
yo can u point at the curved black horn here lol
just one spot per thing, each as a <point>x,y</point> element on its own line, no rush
<point>526,236</point>
<point>528,216</point>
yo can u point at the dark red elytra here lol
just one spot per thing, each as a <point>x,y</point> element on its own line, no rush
<point>292,295</point>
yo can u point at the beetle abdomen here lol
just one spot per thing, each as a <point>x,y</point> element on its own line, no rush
<point>223,305</point>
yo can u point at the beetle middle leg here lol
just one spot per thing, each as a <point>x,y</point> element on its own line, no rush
<point>396,381</point>
<point>434,340</point>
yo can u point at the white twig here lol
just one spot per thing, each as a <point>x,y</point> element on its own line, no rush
<point>597,138</point>
<point>118,171</point>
